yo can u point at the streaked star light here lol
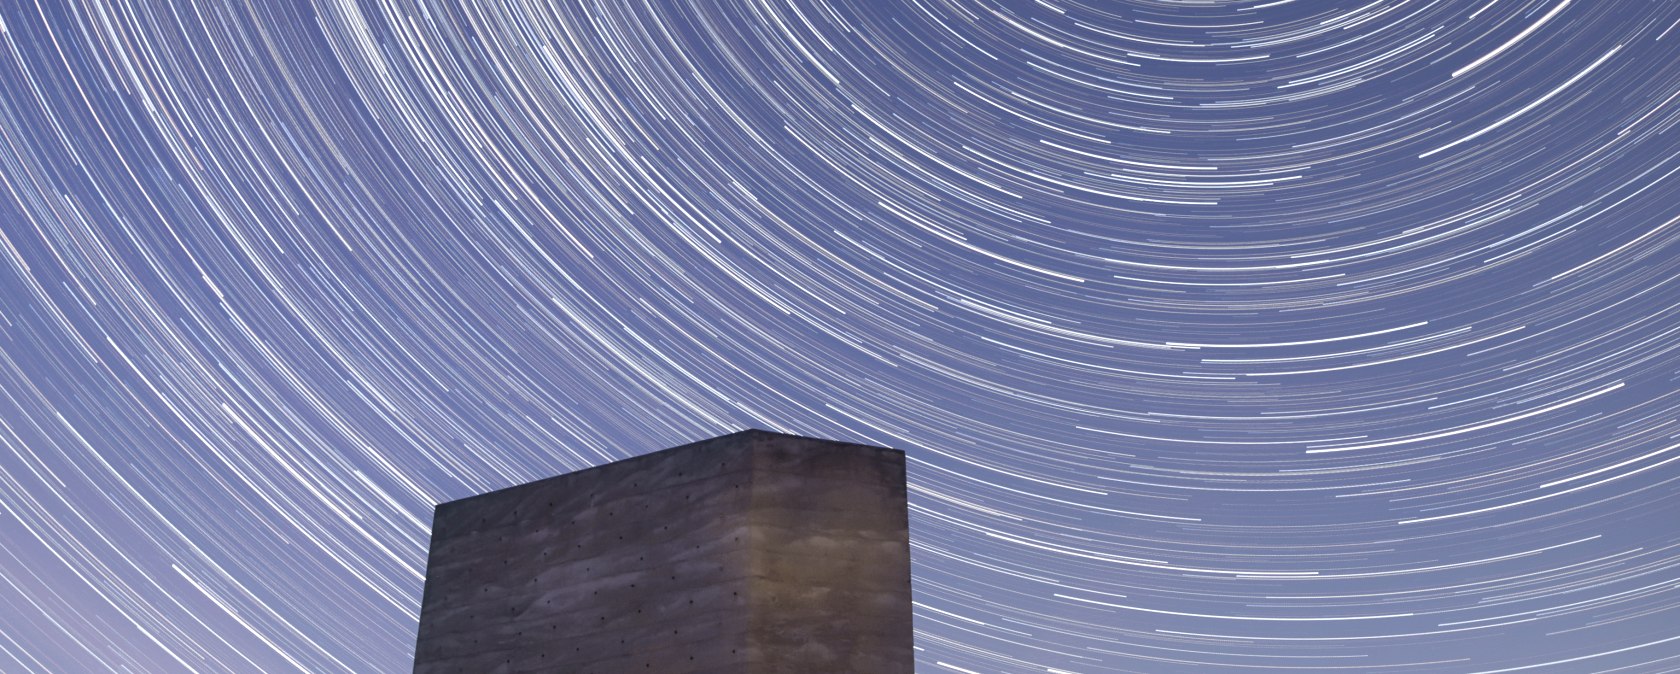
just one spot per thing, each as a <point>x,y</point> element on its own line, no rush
<point>1223,335</point>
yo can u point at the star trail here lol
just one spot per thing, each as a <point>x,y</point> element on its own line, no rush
<point>1222,335</point>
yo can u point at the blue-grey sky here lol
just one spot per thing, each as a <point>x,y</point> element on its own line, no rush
<point>1222,335</point>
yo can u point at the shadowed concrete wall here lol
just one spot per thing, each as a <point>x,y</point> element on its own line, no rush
<point>751,553</point>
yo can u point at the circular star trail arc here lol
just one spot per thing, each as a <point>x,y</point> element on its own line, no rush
<point>1223,336</point>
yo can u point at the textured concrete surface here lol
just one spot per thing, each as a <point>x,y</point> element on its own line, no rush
<point>751,553</point>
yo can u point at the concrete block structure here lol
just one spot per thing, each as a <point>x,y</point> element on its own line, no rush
<point>750,553</point>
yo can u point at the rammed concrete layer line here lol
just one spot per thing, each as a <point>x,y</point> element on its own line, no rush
<point>750,553</point>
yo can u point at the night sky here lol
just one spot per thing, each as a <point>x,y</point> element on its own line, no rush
<point>1222,335</point>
